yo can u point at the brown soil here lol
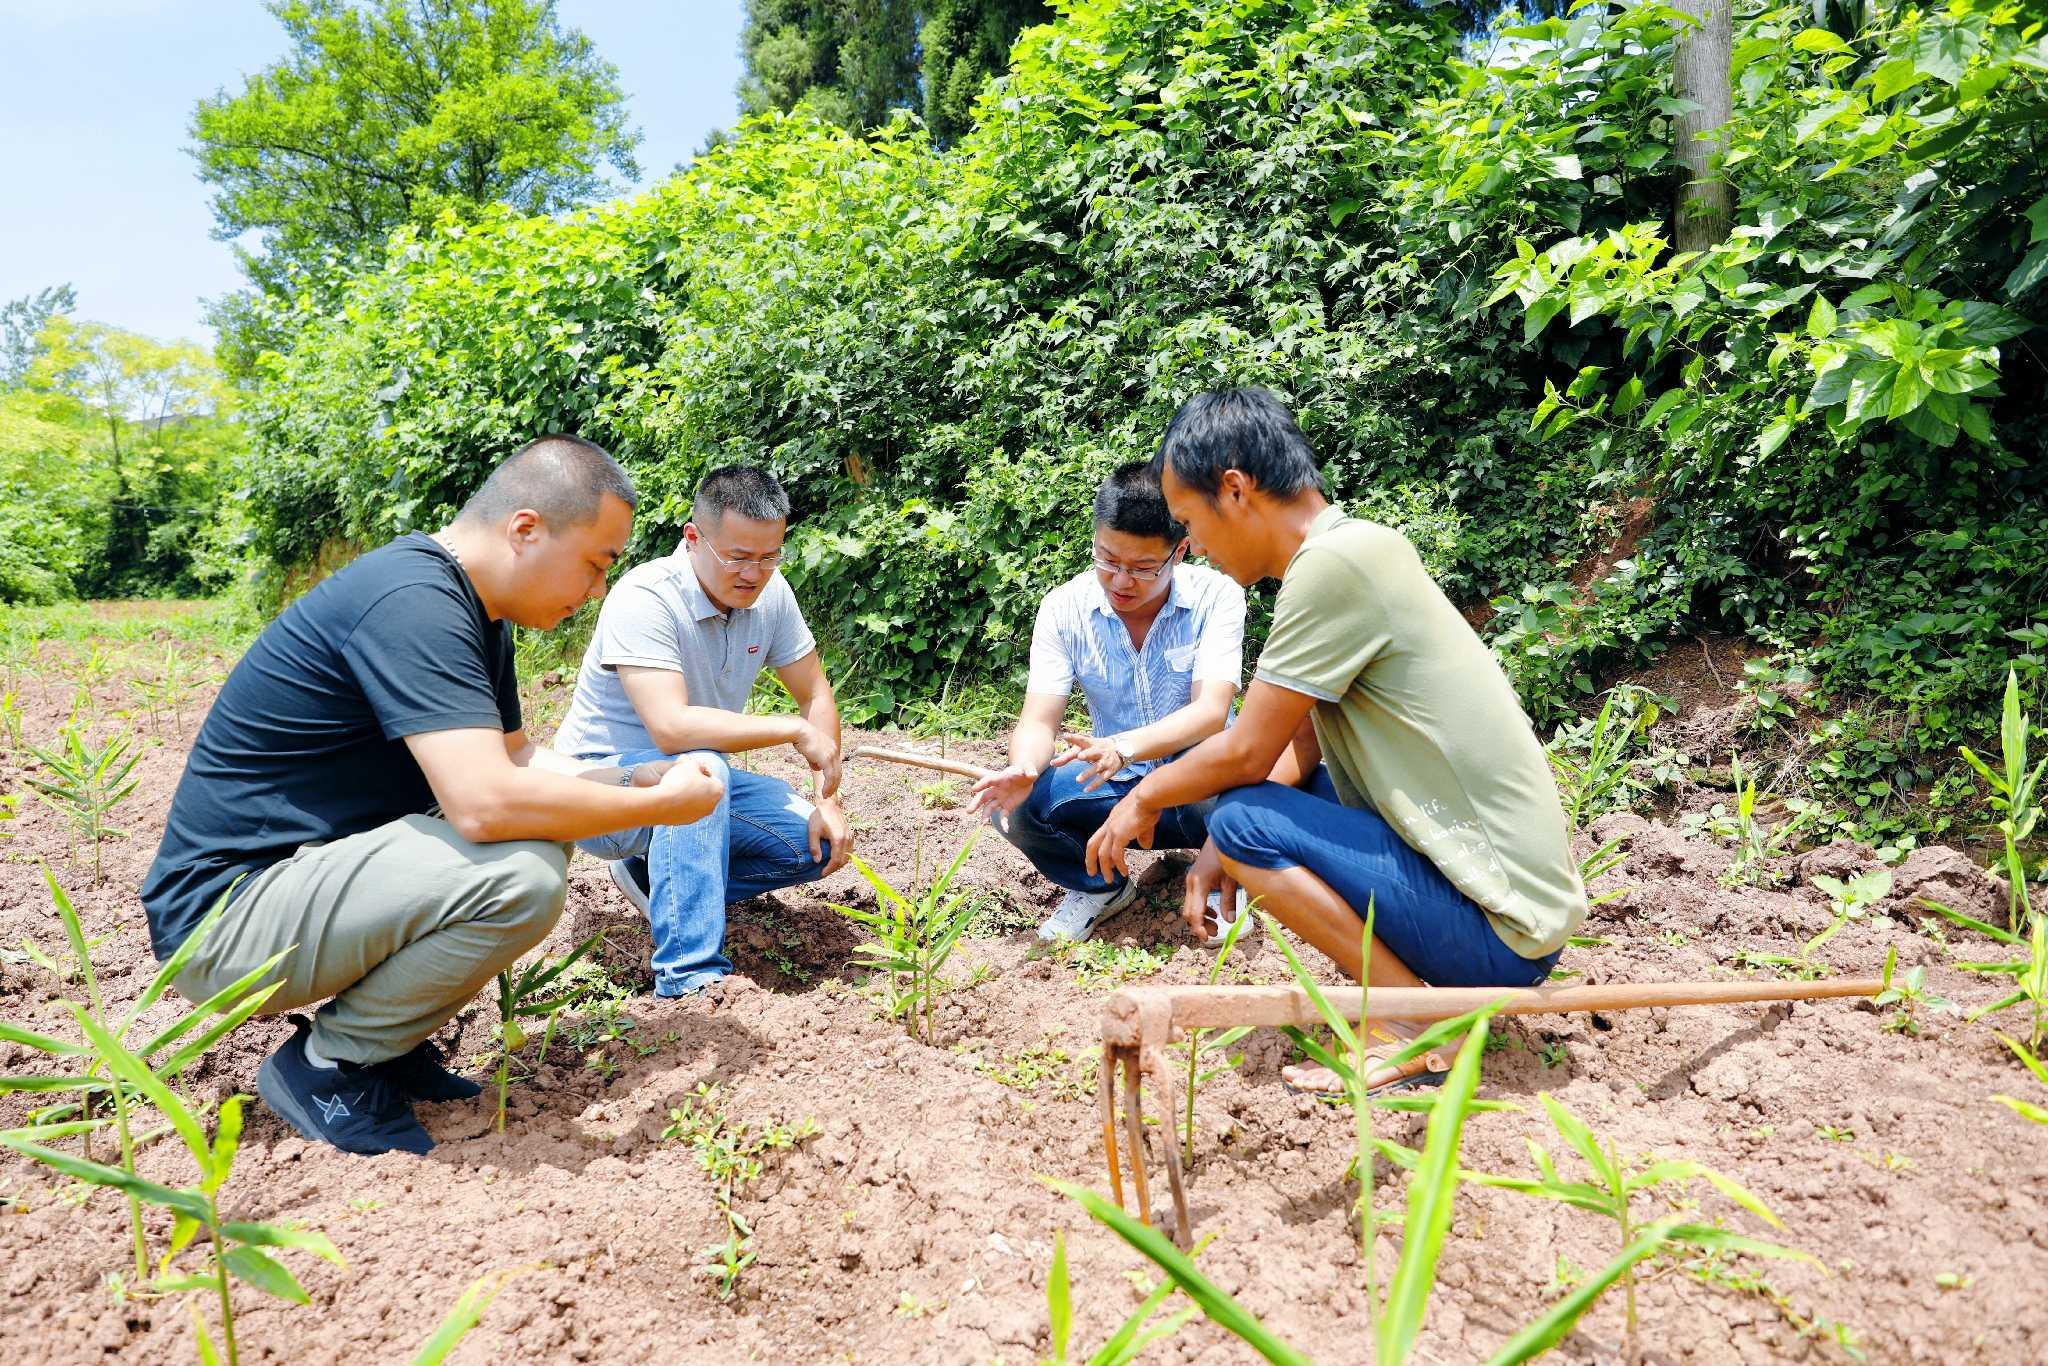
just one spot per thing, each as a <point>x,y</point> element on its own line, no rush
<point>913,1226</point>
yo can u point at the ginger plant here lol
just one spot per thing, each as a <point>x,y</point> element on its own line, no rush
<point>85,784</point>
<point>1132,1336</point>
<point>235,1250</point>
<point>2023,1108</point>
<point>199,1028</point>
<point>1201,1045</point>
<point>1612,1191</point>
<point>2015,795</point>
<point>531,994</point>
<point>909,941</point>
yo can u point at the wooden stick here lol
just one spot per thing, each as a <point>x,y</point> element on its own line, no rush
<point>1209,1007</point>
<point>898,756</point>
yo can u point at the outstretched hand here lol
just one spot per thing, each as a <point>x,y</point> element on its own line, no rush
<point>1129,823</point>
<point>1002,791</point>
<point>1097,753</point>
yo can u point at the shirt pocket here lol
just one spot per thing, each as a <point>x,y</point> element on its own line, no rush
<point>1181,658</point>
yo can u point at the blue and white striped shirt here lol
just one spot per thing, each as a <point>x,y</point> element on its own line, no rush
<point>1197,637</point>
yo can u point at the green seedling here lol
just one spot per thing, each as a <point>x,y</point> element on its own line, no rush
<point>1206,1043</point>
<point>1100,964</point>
<point>1835,1133</point>
<point>166,691</point>
<point>909,940</point>
<point>1431,1191</point>
<point>86,784</point>
<point>1591,760</point>
<point>2016,795</point>
<point>1847,901</point>
<point>10,718</point>
<point>236,1251</point>
<point>1029,1069</point>
<point>194,1033</point>
<point>1757,845</point>
<point>1615,1184</point>
<point>731,1156</point>
<point>1130,1339</point>
<point>2026,1109</point>
<point>2029,974</point>
<point>1605,859</point>
<point>1908,995</point>
<point>536,992</point>
<point>467,1313</point>
<point>941,794</point>
<point>1219,1305</point>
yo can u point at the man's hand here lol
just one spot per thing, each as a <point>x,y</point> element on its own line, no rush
<point>1129,823</point>
<point>828,822</point>
<point>821,752</point>
<point>1097,753</point>
<point>1204,877</point>
<point>692,788</point>
<point>1002,791</point>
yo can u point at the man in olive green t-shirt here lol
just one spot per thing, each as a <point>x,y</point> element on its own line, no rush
<point>1380,758</point>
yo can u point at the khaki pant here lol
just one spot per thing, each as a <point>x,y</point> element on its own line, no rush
<point>400,926</point>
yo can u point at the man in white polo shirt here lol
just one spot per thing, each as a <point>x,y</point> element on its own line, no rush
<point>1158,649</point>
<point>678,646</point>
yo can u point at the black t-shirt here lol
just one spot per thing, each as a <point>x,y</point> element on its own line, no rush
<point>306,741</point>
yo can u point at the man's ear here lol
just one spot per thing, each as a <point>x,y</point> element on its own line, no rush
<point>1235,486</point>
<point>525,527</point>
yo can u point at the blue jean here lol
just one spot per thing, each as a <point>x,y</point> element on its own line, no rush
<point>1418,913</point>
<point>1052,826</point>
<point>756,840</point>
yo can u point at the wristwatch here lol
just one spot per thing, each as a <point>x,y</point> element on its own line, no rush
<point>1121,743</point>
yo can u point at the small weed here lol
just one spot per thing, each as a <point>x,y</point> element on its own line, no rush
<point>1673,939</point>
<point>1835,1133</point>
<point>1554,1053</point>
<point>731,1156</point>
<point>1909,994</point>
<point>941,794</point>
<point>1101,964</point>
<point>365,1204</point>
<point>1954,1280</point>
<point>1792,967</point>
<point>1757,845</point>
<point>1042,1064</point>
<point>2015,795</point>
<point>10,718</point>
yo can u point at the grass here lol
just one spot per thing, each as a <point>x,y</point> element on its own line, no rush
<point>1100,964</point>
<point>910,939</point>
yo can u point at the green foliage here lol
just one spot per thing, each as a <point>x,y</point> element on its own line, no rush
<point>909,940</point>
<point>539,991</point>
<point>1596,770</point>
<point>1758,843</point>
<point>397,112</point>
<point>2023,1108</point>
<point>468,1311</point>
<point>1131,1338</point>
<point>939,349</point>
<point>731,1156</point>
<point>85,783</point>
<point>1206,1043</point>
<point>2015,796</point>
<point>1847,901</point>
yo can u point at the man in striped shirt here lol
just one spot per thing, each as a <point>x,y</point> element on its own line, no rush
<point>1158,649</point>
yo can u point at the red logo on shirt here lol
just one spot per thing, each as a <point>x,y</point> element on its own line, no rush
<point>753,649</point>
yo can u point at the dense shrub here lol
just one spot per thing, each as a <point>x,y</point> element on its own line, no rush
<point>1448,257</point>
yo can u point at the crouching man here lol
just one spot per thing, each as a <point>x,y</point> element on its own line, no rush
<point>363,794</point>
<point>1380,760</point>
<point>677,649</point>
<point>1158,648</point>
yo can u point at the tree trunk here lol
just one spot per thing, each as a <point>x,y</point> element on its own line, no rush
<point>1700,75</point>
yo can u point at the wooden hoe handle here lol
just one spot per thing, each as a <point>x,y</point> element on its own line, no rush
<point>898,756</point>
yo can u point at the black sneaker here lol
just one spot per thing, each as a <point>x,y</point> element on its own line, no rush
<point>420,1075</point>
<point>357,1109</point>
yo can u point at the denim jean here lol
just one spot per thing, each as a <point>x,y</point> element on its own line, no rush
<point>1418,913</point>
<point>1052,826</point>
<point>756,840</point>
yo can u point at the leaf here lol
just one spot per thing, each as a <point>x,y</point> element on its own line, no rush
<point>1894,76</point>
<point>1217,1303</point>
<point>1942,47</point>
<point>132,1070</point>
<point>1772,437</point>
<point>2028,273</point>
<point>467,1313</point>
<point>187,1202</point>
<point>1431,1195</point>
<point>1820,322</point>
<point>266,1273</point>
<point>1566,168</point>
<point>1339,211</point>
<point>1059,1308</point>
<point>1818,40</point>
<point>276,1235</point>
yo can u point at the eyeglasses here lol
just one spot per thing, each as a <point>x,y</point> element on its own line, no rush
<point>1111,567</point>
<point>768,561</point>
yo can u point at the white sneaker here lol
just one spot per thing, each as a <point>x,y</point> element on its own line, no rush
<point>624,877</point>
<point>1080,912</point>
<point>1215,904</point>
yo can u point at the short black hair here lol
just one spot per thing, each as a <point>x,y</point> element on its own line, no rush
<point>1130,501</point>
<point>750,491</point>
<point>564,478</point>
<point>1244,429</point>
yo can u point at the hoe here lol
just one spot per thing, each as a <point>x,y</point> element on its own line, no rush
<point>1139,1022</point>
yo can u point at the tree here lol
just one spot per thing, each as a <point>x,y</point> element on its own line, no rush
<point>1700,77</point>
<point>855,61</point>
<point>20,322</point>
<point>387,112</point>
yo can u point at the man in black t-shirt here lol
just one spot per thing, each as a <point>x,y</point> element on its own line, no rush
<point>362,815</point>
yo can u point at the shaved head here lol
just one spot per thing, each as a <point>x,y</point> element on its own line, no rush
<point>563,478</point>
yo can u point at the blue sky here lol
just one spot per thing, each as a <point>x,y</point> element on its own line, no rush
<point>98,93</point>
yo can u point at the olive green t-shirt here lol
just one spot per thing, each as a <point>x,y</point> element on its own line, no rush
<point>1418,723</point>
